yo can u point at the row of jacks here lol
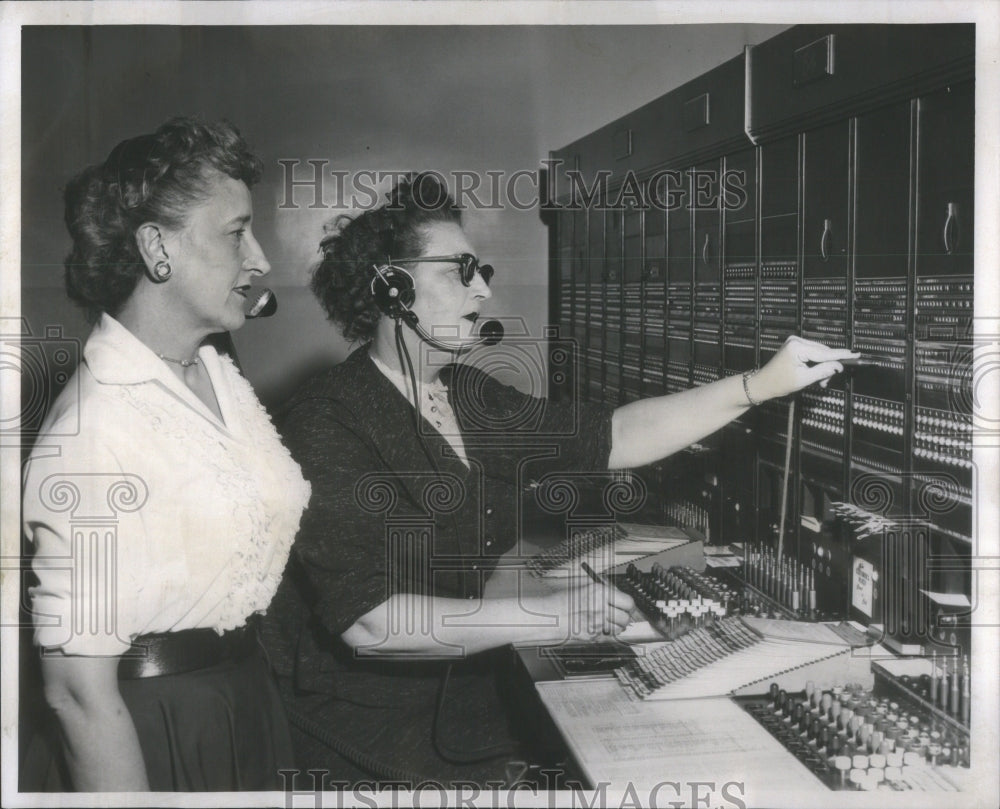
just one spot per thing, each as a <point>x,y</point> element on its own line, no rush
<point>949,688</point>
<point>786,580</point>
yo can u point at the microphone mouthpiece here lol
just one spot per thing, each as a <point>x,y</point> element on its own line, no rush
<point>264,305</point>
<point>491,332</point>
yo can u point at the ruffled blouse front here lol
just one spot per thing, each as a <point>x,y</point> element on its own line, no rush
<point>148,514</point>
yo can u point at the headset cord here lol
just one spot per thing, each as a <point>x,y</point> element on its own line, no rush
<point>451,756</point>
<point>356,756</point>
<point>406,365</point>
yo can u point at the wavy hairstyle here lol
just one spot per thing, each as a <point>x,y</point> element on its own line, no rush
<point>342,279</point>
<point>157,177</point>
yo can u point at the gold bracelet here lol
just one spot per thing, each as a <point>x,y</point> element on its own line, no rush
<point>747,376</point>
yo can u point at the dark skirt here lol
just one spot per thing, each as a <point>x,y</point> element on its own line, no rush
<point>418,735</point>
<point>221,728</point>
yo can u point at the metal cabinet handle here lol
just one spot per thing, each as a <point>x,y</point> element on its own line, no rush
<point>704,249</point>
<point>824,240</point>
<point>950,228</point>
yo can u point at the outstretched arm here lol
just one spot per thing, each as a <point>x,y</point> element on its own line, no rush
<point>646,431</point>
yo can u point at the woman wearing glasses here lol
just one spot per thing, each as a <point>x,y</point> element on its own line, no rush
<point>159,500</point>
<point>386,628</point>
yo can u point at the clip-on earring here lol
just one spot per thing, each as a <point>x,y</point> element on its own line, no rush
<point>162,271</point>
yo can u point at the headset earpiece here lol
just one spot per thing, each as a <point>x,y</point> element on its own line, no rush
<point>393,290</point>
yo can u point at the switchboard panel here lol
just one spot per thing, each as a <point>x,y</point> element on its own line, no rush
<point>843,214</point>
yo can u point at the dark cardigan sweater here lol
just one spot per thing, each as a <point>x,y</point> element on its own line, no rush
<point>393,511</point>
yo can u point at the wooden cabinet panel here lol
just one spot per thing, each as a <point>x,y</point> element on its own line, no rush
<point>882,179</point>
<point>632,245</point>
<point>705,204</point>
<point>778,289</point>
<point>779,177</point>
<point>701,116</point>
<point>613,245</point>
<point>739,186</point>
<point>945,159</point>
<point>741,243</point>
<point>679,253</point>
<point>825,225</point>
<point>655,246</point>
<point>740,275</point>
<point>813,74</point>
<point>595,245</point>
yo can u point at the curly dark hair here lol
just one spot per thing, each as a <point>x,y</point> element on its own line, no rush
<point>156,177</point>
<point>342,279</point>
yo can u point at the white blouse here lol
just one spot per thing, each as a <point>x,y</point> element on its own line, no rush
<point>148,514</point>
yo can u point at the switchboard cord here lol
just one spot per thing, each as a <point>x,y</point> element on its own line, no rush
<point>784,482</point>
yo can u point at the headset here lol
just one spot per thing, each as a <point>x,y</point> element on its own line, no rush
<point>394,292</point>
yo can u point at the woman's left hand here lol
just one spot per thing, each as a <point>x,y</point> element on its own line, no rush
<point>798,364</point>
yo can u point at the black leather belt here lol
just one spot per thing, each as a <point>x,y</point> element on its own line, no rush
<point>159,654</point>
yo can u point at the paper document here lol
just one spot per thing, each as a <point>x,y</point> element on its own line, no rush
<point>644,744</point>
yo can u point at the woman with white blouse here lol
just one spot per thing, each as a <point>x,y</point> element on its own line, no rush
<point>159,500</point>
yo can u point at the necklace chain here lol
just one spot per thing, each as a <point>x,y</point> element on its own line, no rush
<point>182,363</point>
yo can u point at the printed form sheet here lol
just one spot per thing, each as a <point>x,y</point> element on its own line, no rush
<point>617,741</point>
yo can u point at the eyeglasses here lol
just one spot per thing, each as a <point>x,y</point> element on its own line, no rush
<point>468,266</point>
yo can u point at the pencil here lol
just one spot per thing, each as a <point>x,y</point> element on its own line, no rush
<point>593,574</point>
